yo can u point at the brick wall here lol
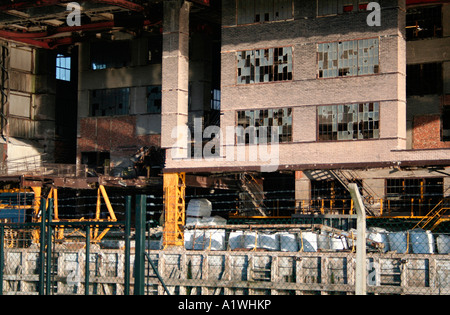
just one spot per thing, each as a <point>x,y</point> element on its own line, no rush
<point>116,135</point>
<point>427,132</point>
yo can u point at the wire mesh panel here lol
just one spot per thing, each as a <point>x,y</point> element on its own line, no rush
<point>72,265</point>
<point>299,261</point>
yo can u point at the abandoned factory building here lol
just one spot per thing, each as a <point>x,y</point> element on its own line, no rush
<point>270,108</point>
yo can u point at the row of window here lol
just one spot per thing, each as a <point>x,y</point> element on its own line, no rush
<point>421,22</point>
<point>112,102</point>
<point>336,59</point>
<point>259,11</point>
<point>335,122</point>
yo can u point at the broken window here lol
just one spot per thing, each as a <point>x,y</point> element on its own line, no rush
<point>259,121</point>
<point>259,11</point>
<point>348,58</point>
<point>349,122</point>
<point>154,99</point>
<point>110,54</point>
<point>424,79</point>
<point>424,22</point>
<point>264,65</point>
<point>110,102</point>
<point>63,65</point>
<point>333,7</point>
<point>446,123</point>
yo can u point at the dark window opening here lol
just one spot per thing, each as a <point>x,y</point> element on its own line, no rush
<point>446,123</point>
<point>424,79</point>
<point>98,162</point>
<point>154,99</point>
<point>416,195</point>
<point>329,196</point>
<point>109,102</point>
<point>110,54</point>
<point>155,50</point>
<point>259,11</point>
<point>424,22</point>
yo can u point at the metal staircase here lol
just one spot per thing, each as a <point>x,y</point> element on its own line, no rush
<point>4,86</point>
<point>252,194</point>
<point>345,177</point>
<point>435,216</point>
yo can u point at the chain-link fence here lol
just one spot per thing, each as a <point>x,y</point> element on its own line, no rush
<point>220,257</point>
<point>34,263</point>
<point>296,259</point>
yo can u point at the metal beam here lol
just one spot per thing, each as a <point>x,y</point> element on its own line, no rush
<point>45,3</point>
<point>174,209</point>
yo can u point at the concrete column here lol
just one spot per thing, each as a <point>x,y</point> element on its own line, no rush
<point>361,263</point>
<point>302,192</point>
<point>447,184</point>
<point>175,75</point>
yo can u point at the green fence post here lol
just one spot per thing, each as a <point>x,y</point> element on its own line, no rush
<point>139,269</point>
<point>127,245</point>
<point>2,256</point>
<point>86,264</point>
<point>42,248</point>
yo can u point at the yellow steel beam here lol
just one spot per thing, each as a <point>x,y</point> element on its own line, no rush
<point>174,209</point>
<point>108,203</point>
<point>37,201</point>
<point>55,204</point>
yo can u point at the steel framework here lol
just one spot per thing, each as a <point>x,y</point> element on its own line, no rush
<point>174,208</point>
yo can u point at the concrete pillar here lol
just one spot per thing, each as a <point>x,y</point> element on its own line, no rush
<point>447,184</point>
<point>175,75</point>
<point>361,263</point>
<point>302,192</point>
<point>376,188</point>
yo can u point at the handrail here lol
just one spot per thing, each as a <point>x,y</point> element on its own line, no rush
<point>430,216</point>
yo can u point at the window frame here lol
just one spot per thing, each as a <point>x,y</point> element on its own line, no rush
<point>126,111</point>
<point>355,123</point>
<point>149,92</point>
<point>290,75</point>
<point>269,139</point>
<point>360,7</point>
<point>376,67</point>
<point>63,68</point>
<point>261,21</point>
<point>431,19</point>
